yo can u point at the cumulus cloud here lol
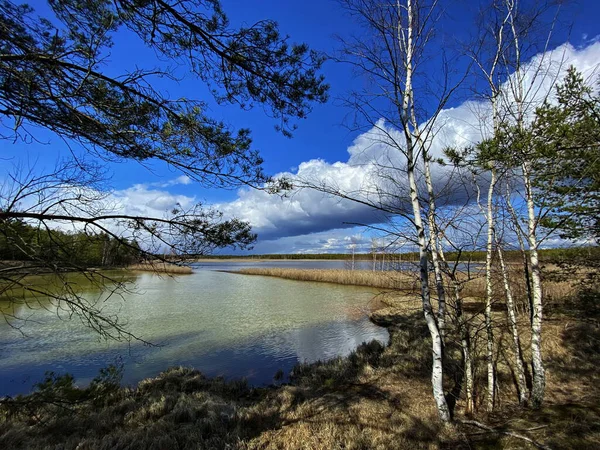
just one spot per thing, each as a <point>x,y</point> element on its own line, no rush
<point>144,200</point>
<point>306,210</point>
<point>310,220</point>
<point>340,240</point>
<point>313,214</point>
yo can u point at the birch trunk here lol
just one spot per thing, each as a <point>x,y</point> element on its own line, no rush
<point>439,280</point>
<point>489,215</point>
<point>491,375</point>
<point>465,343</point>
<point>406,40</point>
<point>465,337</point>
<point>512,323</point>
<point>436,338</point>
<point>539,373</point>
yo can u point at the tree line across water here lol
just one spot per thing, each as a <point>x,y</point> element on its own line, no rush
<point>83,249</point>
<point>20,241</point>
<point>579,255</point>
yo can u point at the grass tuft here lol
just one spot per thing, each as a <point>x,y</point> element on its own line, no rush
<point>384,280</point>
<point>161,267</point>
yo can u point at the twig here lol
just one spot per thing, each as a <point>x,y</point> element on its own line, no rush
<point>508,433</point>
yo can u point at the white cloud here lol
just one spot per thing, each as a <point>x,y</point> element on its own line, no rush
<point>142,200</point>
<point>180,180</point>
<point>311,221</point>
<point>311,213</point>
<point>304,211</point>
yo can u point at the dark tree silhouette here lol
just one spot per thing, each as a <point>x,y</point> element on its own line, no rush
<point>54,75</point>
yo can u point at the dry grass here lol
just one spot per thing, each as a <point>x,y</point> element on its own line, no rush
<point>377,398</point>
<point>405,285</point>
<point>161,267</point>
<point>383,280</point>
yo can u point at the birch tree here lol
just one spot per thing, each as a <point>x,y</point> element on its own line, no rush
<point>491,78</point>
<point>388,51</point>
<point>514,92</point>
<point>521,91</point>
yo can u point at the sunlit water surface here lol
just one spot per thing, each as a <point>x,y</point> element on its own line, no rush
<point>221,323</point>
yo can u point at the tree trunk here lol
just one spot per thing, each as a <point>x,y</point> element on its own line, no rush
<point>465,336</point>
<point>491,375</point>
<point>512,323</point>
<point>439,280</point>
<point>465,343</point>
<point>437,371</point>
<point>539,373</point>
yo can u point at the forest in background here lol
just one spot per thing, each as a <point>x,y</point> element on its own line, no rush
<point>20,241</point>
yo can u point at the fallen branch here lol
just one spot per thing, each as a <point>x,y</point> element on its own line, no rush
<point>508,433</point>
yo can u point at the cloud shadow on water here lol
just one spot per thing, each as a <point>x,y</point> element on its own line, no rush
<point>256,359</point>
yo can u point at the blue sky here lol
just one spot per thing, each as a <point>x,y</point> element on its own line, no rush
<point>312,223</point>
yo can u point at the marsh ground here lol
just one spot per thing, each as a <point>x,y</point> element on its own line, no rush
<point>379,397</point>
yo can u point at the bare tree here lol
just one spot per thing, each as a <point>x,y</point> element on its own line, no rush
<point>521,97</point>
<point>388,51</point>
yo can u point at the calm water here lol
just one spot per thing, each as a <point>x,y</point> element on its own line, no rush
<point>221,323</point>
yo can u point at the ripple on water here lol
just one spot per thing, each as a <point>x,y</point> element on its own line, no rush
<point>222,323</point>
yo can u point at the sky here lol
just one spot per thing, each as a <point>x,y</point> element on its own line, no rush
<point>324,146</point>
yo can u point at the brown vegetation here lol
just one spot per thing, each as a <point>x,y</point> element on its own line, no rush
<point>161,267</point>
<point>383,280</point>
<point>376,398</point>
<point>473,289</point>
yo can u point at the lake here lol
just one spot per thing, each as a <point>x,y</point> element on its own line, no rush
<point>221,323</point>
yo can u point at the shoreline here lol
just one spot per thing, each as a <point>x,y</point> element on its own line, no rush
<point>376,397</point>
<point>160,267</point>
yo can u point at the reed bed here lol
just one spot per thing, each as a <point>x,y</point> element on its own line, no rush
<point>405,285</point>
<point>161,267</point>
<point>382,280</point>
<point>377,397</point>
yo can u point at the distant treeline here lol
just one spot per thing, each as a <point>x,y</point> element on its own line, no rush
<point>554,255</point>
<point>20,241</point>
<point>326,256</point>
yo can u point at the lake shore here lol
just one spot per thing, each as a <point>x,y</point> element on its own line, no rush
<point>29,269</point>
<point>181,408</point>
<point>384,280</point>
<point>377,397</point>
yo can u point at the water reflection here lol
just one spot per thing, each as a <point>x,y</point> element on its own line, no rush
<point>221,323</point>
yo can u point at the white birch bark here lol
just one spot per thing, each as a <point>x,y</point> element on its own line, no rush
<point>436,338</point>
<point>406,40</point>
<point>514,330</point>
<point>491,375</point>
<point>465,336</point>
<point>539,373</point>
<point>490,75</point>
<point>465,343</point>
<point>433,238</point>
